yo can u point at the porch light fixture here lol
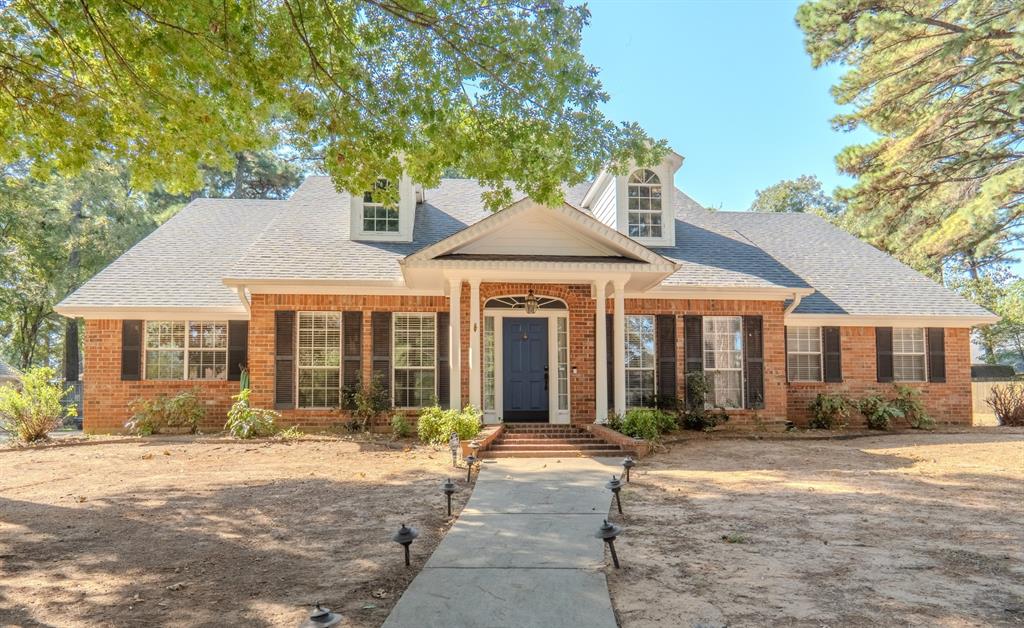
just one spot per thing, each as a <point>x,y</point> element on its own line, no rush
<point>607,533</point>
<point>615,486</point>
<point>321,616</point>
<point>531,302</point>
<point>628,464</point>
<point>405,537</point>
<point>449,489</point>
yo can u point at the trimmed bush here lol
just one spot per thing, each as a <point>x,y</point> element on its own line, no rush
<point>879,412</point>
<point>436,424</point>
<point>647,423</point>
<point>1007,402</point>
<point>908,400</point>
<point>34,409</point>
<point>152,416</point>
<point>244,421</point>
<point>829,412</point>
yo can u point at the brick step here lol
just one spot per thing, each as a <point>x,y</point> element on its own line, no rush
<point>545,447</point>
<point>546,432</point>
<point>553,453</point>
<point>545,441</point>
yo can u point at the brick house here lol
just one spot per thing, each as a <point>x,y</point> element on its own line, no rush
<point>556,314</point>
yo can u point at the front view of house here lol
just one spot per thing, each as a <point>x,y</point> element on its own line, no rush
<point>552,314</point>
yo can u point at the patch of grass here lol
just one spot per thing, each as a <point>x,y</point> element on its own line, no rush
<point>735,537</point>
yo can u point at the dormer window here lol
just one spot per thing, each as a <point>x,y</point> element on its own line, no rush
<point>378,218</point>
<point>644,204</point>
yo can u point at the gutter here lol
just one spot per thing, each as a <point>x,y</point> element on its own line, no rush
<point>797,297</point>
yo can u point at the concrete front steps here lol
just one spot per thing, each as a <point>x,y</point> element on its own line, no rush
<point>544,440</point>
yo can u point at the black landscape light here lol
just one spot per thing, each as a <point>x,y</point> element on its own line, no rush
<point>405,537</point>
<point>615,486</point>
<point>607,533</point>
<point>470,461</point>
<point>628,464</point>
<point>449,489</point>
<point>321,616</point>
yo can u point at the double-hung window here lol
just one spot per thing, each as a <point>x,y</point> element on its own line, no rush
<point>723,360</point>
<point>415,351</point>
<point>803,354</point>
<point>908,354</point>
<point>639,360</point>
<point>643,197</point>
<point>319,366</point>
<point>377,217</point>
<point>186,350</point>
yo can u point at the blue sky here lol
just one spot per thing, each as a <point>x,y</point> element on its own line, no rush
<point>730,87</point>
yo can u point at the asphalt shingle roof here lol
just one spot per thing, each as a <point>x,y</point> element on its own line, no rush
<point>184,262</point>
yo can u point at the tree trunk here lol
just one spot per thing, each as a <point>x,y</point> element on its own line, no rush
<point>71,353</point>
<point>241,166</point>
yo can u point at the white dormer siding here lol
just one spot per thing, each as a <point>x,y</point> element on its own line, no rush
<point>370,224</point>
<point>608,200</point>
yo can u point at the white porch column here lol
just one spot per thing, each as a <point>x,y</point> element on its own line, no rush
<point>455,341</point>
<point>619,351</point>
<point>601,352</point>
<point>474,344</point>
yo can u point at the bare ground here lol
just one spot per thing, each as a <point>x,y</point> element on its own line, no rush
<point>910,529</point>
<point>182,532</point>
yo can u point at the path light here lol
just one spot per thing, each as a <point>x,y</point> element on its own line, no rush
<point>321,616</point>
<point>404,537</point>
<point>615,486</point>
<point>474,447</point>
<point>628,464</point>
<point>531,302</point>
<point>470,461</point>
<point>453,444</point>
<point>607,533</point>
<point>449,489</point>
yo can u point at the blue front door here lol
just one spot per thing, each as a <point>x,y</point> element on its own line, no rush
<point>525,363</point>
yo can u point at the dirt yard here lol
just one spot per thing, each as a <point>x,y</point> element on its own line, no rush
<point>919,529</point>
<point>175,532</point>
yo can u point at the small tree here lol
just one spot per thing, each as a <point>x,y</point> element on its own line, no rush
<point>36,408</point>
<point>1008,404</point>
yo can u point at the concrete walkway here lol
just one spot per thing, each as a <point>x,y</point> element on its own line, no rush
<point>522,552</point>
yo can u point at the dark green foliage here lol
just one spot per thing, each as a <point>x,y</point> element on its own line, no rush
<point>647,423</point>
<point>369,402</point>
<point>697,415</point>
<point>908,400</point>
<point>163,412</point>
<point>879,412</point>
<point>400,426</point>
<point>829,412</point>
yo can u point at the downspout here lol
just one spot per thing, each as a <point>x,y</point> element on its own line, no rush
<point>792,306</point>
<point>240,291</point>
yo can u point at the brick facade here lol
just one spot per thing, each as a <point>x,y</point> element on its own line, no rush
<point>107,397</point>
<point>948,402</point>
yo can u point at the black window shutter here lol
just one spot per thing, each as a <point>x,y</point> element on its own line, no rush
<point>238,348</point>
<point>665,330</point>
<point>609,345</point>
<point>693,347</point>
<point>131,350</point>
<point>444,374</point>
<point>284,359</point>
<point>883,353</point>
<point>831,354</point>
<point>753,361</point>
<point>936,341</point>
<point>380,323</point>
<point>351,350</point>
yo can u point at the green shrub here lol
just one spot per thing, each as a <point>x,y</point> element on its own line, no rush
<point>879,411</point>
<point>292,433</point>
<point>436,425</point>
<point>151,416</point>
<point>829,412</point>
<point>697,415</point>
<point>244,421</point>
<point>400,426</point>
<point>647,423</point>
<point>615,422</point>
<point>908,400</point>
<point>368,403</point>
<point>34,409</point>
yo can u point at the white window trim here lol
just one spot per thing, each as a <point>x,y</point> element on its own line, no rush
<point>668,217</point>
<point>654,354</point>
<point>704,364</point>
<point>394,367</point>
<point>923,354</point>
<point>185,349</point>
<point>660,212</point>
<point>407,194</point>
<point>820,353</point>
<point>341,359</point>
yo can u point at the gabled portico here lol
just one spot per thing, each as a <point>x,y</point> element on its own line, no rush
<point>525,260</point>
